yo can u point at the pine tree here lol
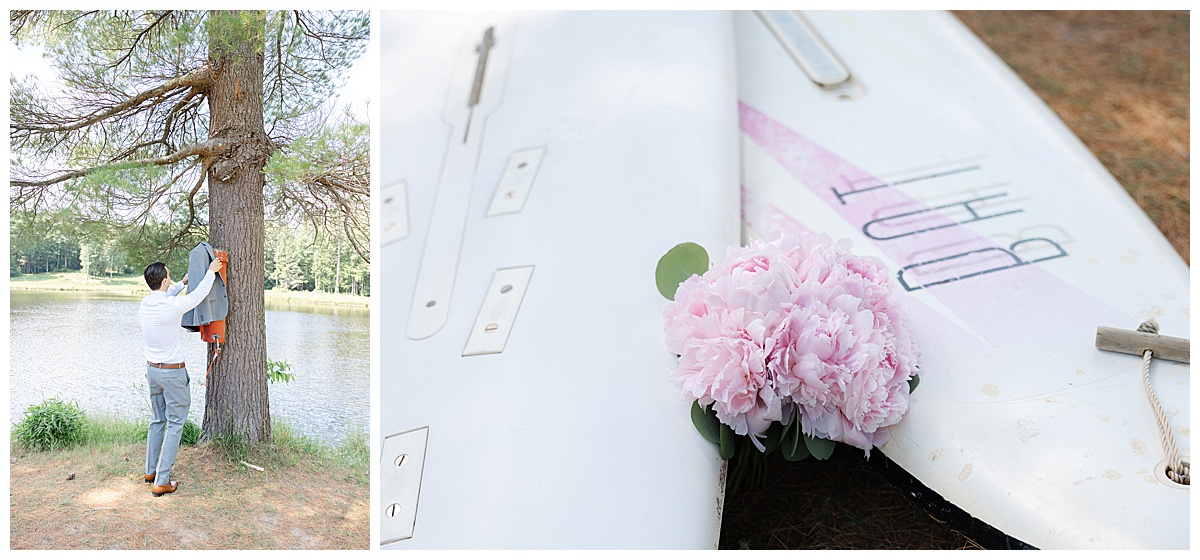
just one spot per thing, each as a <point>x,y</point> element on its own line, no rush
<point>170,117</point>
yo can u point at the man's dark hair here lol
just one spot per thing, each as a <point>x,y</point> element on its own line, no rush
<point>155,273</point>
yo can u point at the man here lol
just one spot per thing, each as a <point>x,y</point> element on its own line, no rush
<point>170,396</point>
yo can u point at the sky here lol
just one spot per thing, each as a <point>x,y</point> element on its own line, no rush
<point>362,83</point>
<point>360,90</point>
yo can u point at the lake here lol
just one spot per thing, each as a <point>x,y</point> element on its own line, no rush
<point>88,348</point>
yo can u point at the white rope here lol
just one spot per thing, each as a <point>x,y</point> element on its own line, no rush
<point>1177,470</point>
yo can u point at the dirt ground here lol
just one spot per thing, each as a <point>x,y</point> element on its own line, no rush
<point>1120,80</point>
<point>219,504</point>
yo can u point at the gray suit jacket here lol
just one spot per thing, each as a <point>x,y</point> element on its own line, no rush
<point>214,307</point>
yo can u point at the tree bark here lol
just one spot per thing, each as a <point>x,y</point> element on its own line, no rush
<point>337,282</point>
<point>313,268</point>
<point>236,398</point>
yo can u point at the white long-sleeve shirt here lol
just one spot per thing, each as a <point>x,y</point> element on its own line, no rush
<point>160,315</point>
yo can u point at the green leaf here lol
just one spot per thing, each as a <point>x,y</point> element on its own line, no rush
<point>679,264</point>
<point>792,421</point>
<point>747,469</point>
<point>792,444</point>
<point>727,439</point>
<point>705,421</point>
<point>278,371</point>
<point>913,382</point>
<point>819,447</point>
<point>772,438</point>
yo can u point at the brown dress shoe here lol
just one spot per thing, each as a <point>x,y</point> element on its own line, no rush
<point>149,478</point>
<point>159,490</point>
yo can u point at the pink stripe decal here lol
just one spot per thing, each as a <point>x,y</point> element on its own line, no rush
<point>822,171</point>
<point>1010,302</point>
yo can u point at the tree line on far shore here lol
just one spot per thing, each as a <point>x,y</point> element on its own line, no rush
<point>297,257</point>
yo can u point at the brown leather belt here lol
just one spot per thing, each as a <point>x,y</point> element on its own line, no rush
<point>166,366</point>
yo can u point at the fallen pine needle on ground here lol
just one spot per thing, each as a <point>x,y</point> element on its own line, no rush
<point>309,497</point>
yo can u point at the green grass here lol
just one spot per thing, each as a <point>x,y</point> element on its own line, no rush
<point>287,448</point>
<point>349,460</point>
<point>105,433</point>
<point>49,425</point>
<point>320,298</point>
<point>76,282</point>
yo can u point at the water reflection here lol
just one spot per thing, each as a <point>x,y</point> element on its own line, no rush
<point>88,348</point>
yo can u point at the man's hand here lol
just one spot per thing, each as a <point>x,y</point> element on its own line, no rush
<point>185,279</point>
<point>214,266</point>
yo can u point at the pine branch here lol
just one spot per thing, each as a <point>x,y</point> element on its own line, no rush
<point>133,46</point>
<point>211,147</point>
<point>194,80</point>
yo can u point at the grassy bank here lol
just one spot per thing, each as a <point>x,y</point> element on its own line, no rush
<point>321,298</point>
<point>91,496</point>
<point>77,282</point>
<point>133,284</point>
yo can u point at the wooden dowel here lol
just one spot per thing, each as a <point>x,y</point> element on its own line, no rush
<point>1136,342</point>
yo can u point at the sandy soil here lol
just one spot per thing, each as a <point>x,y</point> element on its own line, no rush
<point>219,504</point>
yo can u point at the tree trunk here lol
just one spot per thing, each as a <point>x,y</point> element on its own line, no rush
<point>337,282</point>
<point>236,397</point>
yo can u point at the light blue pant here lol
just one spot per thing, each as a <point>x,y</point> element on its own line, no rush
<point>170,400</point>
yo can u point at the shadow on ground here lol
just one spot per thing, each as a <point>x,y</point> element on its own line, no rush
<point>219,505</point>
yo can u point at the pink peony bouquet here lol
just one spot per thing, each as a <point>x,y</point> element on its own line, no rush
<point>795,331</point>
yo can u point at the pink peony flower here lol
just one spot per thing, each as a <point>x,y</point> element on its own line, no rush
<point>796,322</point>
